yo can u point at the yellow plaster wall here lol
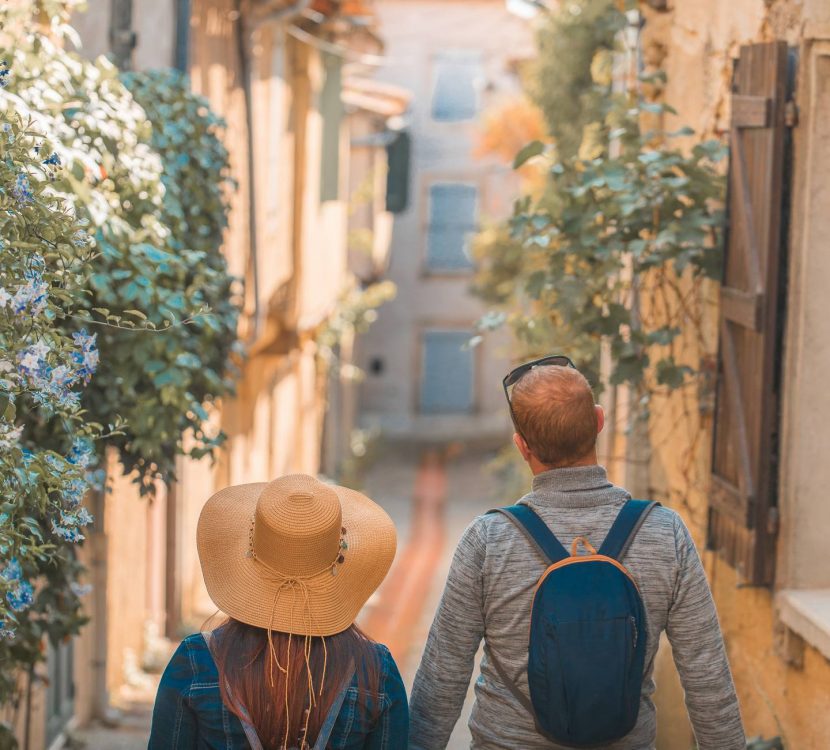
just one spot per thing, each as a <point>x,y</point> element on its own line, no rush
<point>695,44</point>
<point>776,699</point>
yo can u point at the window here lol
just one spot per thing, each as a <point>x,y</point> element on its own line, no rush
<point>453,210</point>
<point>458,78</point>
<point>447,373</point>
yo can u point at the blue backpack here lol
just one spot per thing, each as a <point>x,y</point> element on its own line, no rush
<point>587,646</point>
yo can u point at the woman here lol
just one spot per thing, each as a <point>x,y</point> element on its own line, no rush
<point>291,563</point>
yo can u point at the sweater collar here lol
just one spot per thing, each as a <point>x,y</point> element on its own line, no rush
<point>575,487</point>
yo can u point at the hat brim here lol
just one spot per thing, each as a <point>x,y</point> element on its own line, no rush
<point>242,588</point>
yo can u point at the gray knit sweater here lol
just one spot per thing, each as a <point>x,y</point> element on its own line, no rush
<point>488,595</point>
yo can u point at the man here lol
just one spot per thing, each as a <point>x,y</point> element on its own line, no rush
<point>491,584</point>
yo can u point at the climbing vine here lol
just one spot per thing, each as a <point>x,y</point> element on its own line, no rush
<point>620,247</point>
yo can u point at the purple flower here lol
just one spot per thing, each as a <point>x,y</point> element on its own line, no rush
<point>12,571</point>
<point>34,295</point>
<point>73,492</point>
<point>67,533</point>
<point>82,453</point>
<point>21,597</point>
<point>81,238</point>
<point>83,517</point>
<point>22,190</point>
<point>87,358</point>
<point>53,161</point>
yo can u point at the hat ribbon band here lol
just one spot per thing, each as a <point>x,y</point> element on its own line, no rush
<point>296,584</point>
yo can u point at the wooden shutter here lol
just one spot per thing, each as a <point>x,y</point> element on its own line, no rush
<point>743,517</point>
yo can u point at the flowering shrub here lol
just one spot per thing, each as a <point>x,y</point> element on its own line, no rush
<point>152,185</point>
<point>133,291</point>
<point>44,367</point>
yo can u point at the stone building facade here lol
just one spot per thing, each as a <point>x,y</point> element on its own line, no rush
<point>423,382</point>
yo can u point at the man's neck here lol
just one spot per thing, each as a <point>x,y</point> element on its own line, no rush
<point>537,467</point>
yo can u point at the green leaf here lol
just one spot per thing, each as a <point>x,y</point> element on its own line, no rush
<point>663,336</point>
<point>532,149</point>
<point>670,374</point>
<point>186,359</point>
<point>535,284</point>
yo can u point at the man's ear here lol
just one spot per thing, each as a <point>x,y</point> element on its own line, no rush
<point>600,418</point>
<point>521,444</point>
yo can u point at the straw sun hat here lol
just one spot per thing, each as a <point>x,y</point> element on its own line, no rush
<point>294,555</point>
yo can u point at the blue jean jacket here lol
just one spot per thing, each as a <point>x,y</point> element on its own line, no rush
<point>189,712</point>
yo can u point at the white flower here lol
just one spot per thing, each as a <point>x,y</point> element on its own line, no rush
<point>40,349</point>
<point>80,589</point>
<point>30,361</point>
<point>9,436</point>
<point>4,297</point>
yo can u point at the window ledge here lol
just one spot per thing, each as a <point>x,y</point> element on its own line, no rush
<point>807,612</point>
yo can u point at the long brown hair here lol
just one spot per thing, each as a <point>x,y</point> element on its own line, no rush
<point>276,696</point>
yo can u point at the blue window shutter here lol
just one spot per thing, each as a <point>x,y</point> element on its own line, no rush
<point>453,217</point>
<point>447,373</point>
<point>457,80</point>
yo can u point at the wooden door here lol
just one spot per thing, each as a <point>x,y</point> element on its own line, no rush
<point>743,514</point>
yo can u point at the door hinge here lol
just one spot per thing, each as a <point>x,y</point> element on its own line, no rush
<point>790,114</point>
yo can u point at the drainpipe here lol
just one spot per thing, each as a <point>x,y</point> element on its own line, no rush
<point>244,32</point>
<point>182,54</point>
<point>122,36</point>
<point>244,50</point>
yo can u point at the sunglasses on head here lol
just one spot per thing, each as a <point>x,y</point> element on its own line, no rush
<point>517,373</point>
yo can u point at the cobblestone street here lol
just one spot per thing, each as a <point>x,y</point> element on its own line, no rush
<point>451,488</point>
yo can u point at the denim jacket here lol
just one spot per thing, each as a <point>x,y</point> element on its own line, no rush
<point>189,712</point>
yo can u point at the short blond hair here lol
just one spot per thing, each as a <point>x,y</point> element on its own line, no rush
<point>553,408</point>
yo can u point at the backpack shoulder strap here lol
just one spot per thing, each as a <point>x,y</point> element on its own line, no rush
<point>509,683</point>
<point>247,727</point>
<point>536,531</point>
<point>334,711</point>
<point>625,528</point>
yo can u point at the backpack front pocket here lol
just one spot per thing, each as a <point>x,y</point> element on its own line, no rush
<point>590,669</point>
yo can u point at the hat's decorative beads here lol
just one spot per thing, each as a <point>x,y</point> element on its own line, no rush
<point>250,553</point>
<point>340,556</point>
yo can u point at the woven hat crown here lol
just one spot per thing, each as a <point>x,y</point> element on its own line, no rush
<point>297,526</point>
